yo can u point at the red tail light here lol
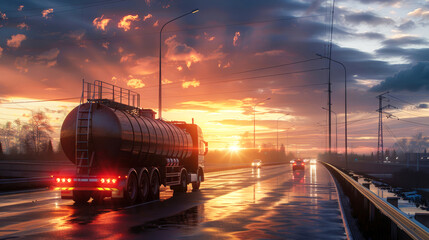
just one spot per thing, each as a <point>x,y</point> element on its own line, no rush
<point>63,180</point>
<point>113,180</point>
<point>58,180</point>
<point>69,180</point>
<point>294,164</point>
<point>102,180</point>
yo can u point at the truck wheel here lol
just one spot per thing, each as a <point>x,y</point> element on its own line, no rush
<point>154,186</point>
<point>183,183</point>
<point>98,198</point>
<point>144,187</point>
<point>80,197</point>
<point>196,185</point>
<point>131,191</point>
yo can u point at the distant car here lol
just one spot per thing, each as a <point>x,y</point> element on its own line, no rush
<point>298,164</point>
<point>257,163</point>
<point>313,161</point>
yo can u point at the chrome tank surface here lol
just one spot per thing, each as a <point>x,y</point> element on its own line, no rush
<point>119,138</point>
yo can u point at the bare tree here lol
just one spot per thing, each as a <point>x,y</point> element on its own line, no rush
<point>39,130</point>
<point>7,133</point>
<point>417,144</point>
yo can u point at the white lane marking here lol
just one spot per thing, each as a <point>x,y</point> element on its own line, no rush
<point>140,204</point>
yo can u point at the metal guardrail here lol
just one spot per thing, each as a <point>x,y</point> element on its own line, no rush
<point>414,229</point>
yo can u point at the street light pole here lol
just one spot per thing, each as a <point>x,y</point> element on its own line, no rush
<point>345,104</point>
<point>278,130</point>
<point>254,121</point>
<point>336,129</point>
<point>160,45</point>
<point>287,137</point>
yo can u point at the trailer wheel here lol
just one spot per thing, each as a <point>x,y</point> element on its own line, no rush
<point>196,185</point>
<point>131,191</point>
<point>80,197</point>
<point>144,186</point>
<point>154,186</point>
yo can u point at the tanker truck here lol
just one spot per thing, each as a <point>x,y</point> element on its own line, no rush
<point>121,151</point>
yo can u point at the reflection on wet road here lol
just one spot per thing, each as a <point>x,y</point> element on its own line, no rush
<point>270,203</point>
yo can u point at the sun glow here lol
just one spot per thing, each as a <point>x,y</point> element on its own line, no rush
<point>234,148</point>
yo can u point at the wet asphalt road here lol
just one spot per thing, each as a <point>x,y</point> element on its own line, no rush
<point>269,203</point>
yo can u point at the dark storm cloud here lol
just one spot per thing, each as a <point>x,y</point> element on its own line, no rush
<point>412,79</point>
<point>404,41</point>
<point>390,2</point>
<point>412,54</point>
<point>371,35</point>
<point>408,25</point>
<point>367,18</point>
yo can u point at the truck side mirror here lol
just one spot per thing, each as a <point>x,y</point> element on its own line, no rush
<point>206,150</point>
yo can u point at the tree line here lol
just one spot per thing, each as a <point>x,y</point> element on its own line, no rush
<point>31,138</point>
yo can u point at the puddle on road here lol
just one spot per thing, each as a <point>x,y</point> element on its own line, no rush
<point>186,219</point>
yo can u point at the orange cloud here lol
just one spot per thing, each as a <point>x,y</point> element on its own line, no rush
<point>125,22</point>
<point>194,83</point>
<point>179,68</point>
<point>105,45</point>
<point>22,26</point>
<point>209,38</point>
<point>127,57</point>
<point>181,52</point>
<point>156,23</point>
<point>21,63</point>
<point>166,81</point>
<point>270,53</point>
<point>1,51</point>
<point>419,12</point>
<point>147,17</point>
<point>144,66</point>
<point>235,39</point>
<point>20,7</point>
<point>15,40</point>
<point>49,57</point>
<point>46,12</point>
<point>101,23</point>
<point>135,83</point>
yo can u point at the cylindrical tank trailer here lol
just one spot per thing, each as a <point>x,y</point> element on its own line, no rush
<point>121,139</point>
<point>121,151</point>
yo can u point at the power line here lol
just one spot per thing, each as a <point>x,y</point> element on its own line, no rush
<point>244,23</point>
<point>417,123</point>
<point>238,91</point>
<point>398,99</point>
<point>250,78</point>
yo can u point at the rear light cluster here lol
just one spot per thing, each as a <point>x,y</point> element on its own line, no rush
<point>63,180</point>
<point>108,180</point>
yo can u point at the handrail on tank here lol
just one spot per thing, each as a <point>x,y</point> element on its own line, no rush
<point>100,90</point>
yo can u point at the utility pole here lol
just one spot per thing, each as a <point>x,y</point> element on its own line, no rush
<point>380,145</point>
<point>329,78</point>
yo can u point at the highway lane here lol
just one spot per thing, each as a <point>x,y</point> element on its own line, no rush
<point>272,202</point>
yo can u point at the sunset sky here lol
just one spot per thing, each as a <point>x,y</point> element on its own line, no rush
<point>219,62</point>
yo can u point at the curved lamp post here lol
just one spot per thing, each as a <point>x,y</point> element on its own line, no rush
<point>160,45</point>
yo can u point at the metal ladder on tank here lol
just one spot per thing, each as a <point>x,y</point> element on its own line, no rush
<point>83,131</point>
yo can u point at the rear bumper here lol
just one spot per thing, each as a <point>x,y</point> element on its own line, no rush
<point>68,192</point>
